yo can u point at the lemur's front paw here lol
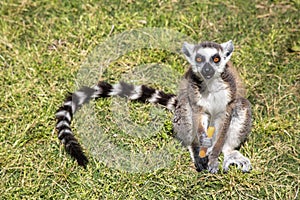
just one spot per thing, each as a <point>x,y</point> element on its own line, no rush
<point>213,165</point>
<point>201,163</point>
<point>236,158</point>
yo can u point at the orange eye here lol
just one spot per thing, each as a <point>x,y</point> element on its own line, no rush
<point>216,59</point>
<point>198,59</point>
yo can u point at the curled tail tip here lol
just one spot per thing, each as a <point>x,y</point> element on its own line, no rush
<point>79,156</point>
<point>74,149</point>
<point>82,161</point>
<point>72,146</point>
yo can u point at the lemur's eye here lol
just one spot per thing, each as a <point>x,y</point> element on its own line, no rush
<point>198,59</point>
<point>216,58</point>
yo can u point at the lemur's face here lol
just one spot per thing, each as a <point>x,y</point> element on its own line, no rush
<point>208,59</point>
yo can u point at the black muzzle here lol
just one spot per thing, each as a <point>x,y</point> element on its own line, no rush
<point>207,71</point>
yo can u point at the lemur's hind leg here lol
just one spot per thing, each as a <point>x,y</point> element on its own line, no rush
<point>238,131</point>
<point>189,127</point>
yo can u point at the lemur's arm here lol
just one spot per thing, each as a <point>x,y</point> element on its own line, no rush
<point>218,146</point>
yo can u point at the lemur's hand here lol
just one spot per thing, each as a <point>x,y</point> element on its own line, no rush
<point>213,165</point>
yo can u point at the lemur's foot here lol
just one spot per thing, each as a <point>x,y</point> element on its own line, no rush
<point>213,165</point>
<point>236,158</point>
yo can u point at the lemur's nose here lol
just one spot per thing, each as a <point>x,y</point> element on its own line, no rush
<point>207,71</point>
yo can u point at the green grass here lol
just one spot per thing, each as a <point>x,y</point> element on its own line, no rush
<point>43,45</point>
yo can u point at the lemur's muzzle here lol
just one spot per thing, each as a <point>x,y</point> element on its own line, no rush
<point>207,71</point>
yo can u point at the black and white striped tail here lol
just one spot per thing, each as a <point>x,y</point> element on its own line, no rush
<point>74,101</point>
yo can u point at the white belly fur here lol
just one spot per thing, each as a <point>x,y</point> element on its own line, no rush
<point>215,101</point>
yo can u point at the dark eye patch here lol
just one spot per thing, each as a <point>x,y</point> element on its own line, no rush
<point>216,58</point>
<point>199,58</point>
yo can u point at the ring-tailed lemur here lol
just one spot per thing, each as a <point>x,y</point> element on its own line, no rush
<point>210,95</point>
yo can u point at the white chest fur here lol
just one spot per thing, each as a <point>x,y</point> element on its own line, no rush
<point>215,99</point>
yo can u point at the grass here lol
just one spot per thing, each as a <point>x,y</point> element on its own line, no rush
<point>44,45</point>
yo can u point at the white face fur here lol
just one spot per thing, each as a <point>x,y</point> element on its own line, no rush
<point>208,59</point>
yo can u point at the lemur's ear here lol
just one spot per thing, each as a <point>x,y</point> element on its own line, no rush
<point>227,49</point>
<point>187,50</point>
